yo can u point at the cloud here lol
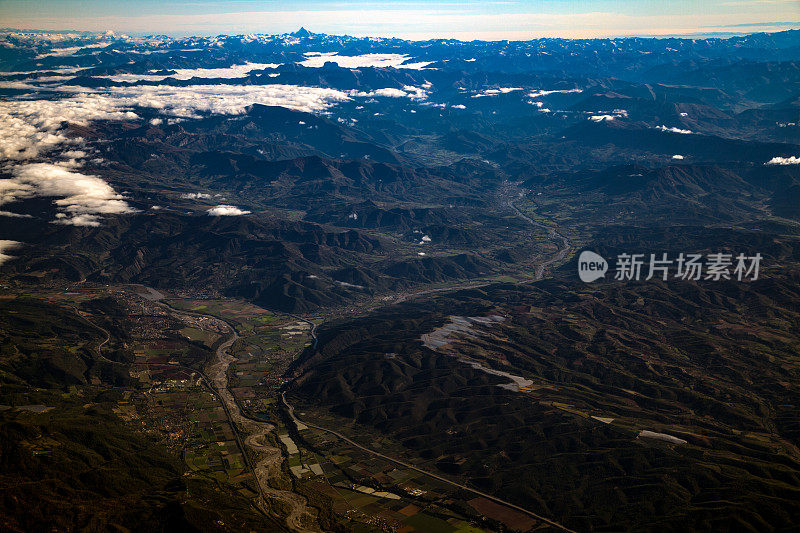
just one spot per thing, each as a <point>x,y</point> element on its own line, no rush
<point>233,71</point>
<point>13,215</point>
<point>784,161</point>
<point>81,198</point>
<point>408,91</point>
<point>318,59</point>
<point>29,128</point>
<point>226,211</point>
<point>4,247</point>
<point>495,92</point>
<point>195,196</point>
<point>602,118</point>
<point>190,101</point>
<point>674,130</point>
<point>71,50</point>
<point>677,156</point>
<point>541,92</point>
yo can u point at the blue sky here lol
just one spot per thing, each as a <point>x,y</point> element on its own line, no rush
<point>415,19</point>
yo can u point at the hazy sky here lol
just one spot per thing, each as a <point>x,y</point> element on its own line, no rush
<point>415,19</point>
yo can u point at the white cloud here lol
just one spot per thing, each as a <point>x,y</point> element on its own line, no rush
<point>70,50</point>
<point>541,92</point>
<point>195,196</point>
<point>233,71</point>
<point>458,106</point>
<point>601,118</point>
<point>4,247</point>
<point>318,59</point>
<point>408,91</point>
<point>495,92</point>
<point>387,92</point>
<point>674,130</point>
<point>784,161</point>
<point>29,128</point>
<point>226,211</point>
<point>188,102</point>
<point>81,198</point>
<point>17,85</point>
<point>13,215</point>
<point>677,156</point>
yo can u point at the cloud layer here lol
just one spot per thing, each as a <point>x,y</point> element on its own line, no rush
<point>189,102</point>
<point>318,59</point>
<point>81,198</point>
<point>234,71</point>
<point>29,128</point>
<point>33,128</point>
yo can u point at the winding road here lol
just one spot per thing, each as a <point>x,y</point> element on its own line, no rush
<point>539,274</point>
<point>552,233</point>
<point>300,517</point>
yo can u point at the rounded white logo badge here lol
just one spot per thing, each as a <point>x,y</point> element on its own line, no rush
<point>591,266</point>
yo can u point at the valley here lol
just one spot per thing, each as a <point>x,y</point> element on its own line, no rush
<point>324,283</point>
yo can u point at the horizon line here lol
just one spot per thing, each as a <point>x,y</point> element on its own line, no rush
<point>722,35</point>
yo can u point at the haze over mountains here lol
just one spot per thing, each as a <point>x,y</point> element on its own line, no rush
<point>378,188</point>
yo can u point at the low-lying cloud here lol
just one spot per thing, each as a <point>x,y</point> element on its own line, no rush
<point>226,211</point>
<point>495,92</point>
<point>29,128</point>
<point>542,92</point>
<point>81,198</point>
<point>408,91</point>
<point>195,196</point>
<point>190,101</point>
<point>777,160</point>
<point>674,130</point>
<point>4,247</point>
<point>231,72</point>
<point>318,59</point>
<point>11,214</point>
<point>33,128</point>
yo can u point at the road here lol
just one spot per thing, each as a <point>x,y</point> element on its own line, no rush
<point>300,517</point>
<point>539,274</point>
<point>508,202</point>
<point>552,233</point>
<point>404,464</point>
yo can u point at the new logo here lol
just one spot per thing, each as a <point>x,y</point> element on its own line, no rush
<point>591,266</point>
